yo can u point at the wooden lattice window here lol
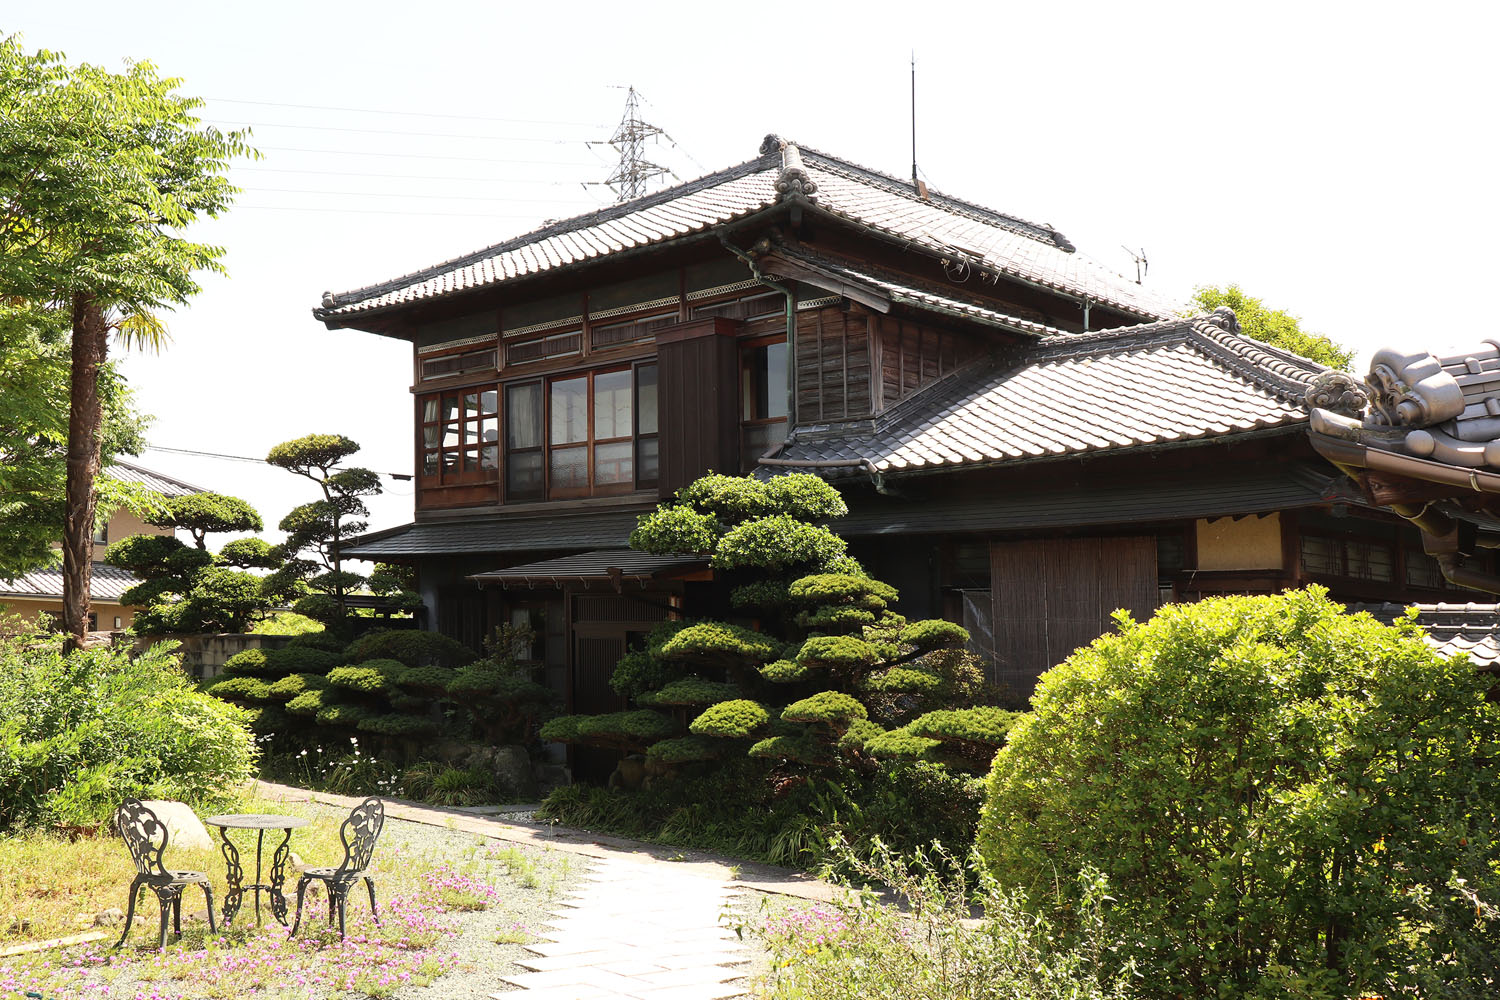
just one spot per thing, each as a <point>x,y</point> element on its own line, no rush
<point>460,436</point>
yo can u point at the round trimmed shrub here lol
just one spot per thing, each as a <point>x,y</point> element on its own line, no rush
<point>366,679</point>
<point>301,660</point>
<point>343,715</point>
<point>413,648</point>
<point>292,685</point>
<point>831,708</point>
<point>694,691</point>
<point>1284,800</point>
<point>240,689</point>
<point>308,704</point>
<point>733,719</point>
<point>719,641</point>
<point>777,543</point>
<point>684,749</point>
<point>249,662</point>
<point>842,651</point>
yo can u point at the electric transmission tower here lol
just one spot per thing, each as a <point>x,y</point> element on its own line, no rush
<point>635,171</point>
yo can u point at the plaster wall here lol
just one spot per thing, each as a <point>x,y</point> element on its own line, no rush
<point>1228,543</point>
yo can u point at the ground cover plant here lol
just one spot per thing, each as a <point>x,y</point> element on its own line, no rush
<point>79,732</point>
<point>935,937</point>
<point>447,901</point>
<point>1284,800</point>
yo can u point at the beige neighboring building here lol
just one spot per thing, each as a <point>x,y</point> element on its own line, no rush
<point>40,591</point>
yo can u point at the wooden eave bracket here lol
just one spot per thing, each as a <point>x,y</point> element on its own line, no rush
<point>866,296</point>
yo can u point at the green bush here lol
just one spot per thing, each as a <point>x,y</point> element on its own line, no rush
<point>1284,800</point>
<point>831,708</point>
<point>777,543</point>
<point>718,642</point>
<point>292,685</point>
<point>805,497</point>
<point>252,662</point>
<point>684,749</point>
<point>411,647</point>
<point>308,703</point>
<point>301,660</point>
<point>734,719</point>
<point>373,677</point>
<point>80,732</point>
<point>240,689</point>
<point>694,691</point>
<point>675,530</point>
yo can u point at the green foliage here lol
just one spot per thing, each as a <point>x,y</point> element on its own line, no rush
<point>292,659</point>
<point>249,553</point>
<point>308,703</point>
<point>862,591</point>
<point>805,497</point>
<point>241,689</point>
<point>902,744</point>
<point>729,500</point>
<point>766,595</point>
<point>375,677</point>
<point>926,636</point>
<point>1273,326</point>
<point>931,945</point>
<point>312,454</point>
<point>717,642</point>
<point>201,514</point>
<point>342,714</point>
<point>411,647</point>
<point>674,530</point>
<point>253,662</point>
<point>831,708</point>
<point>777,543</point>
<point>292,685</point>
<point>694,691</point>
<point>499,691</point>
<point>78,733</point>
<point>646,670</point>
<point>903,680</point>
<point>399,725</point>
<point>1284,799</point>
<point>684,750</point>
<point>842,652</point>
<point>562,729</point>
<point>734,719</point>
<point>633,730</point>
<point>784,672</point>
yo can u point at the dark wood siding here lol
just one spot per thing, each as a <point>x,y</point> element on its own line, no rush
<point>833,365</point>
<point>1053,595</point>
<point>910,356</point>
<point>698,401</point>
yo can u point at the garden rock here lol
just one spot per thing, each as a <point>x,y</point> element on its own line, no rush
<point>512,766</point>
<point>112,917</point>
<point>184,828</point>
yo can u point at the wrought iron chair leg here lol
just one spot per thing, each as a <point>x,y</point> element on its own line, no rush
<point>343,905</point>
<point>166,915</point>
<point>177,914</point>
<point>301,893</point>
<point>208,894</point>
<point>370,885</point>
<point>135,890</point>
<point>333,904</point>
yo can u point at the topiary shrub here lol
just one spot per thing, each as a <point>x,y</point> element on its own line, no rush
<point>301,660</point>
<point>1284,799</point>
<point>289,687</point>
<point>829,708</point>
<point>348,716</point>
<point>719,642</point>
<point>843,652</point>
<point>240,689</point>
<point>251,662</point>
<point>684,750</point>
<point>413,648</point>
<point>734,719</point>
<point>307,704</point>
<point>374,677</point>
<point>776,543</point>
<point>694,691</point>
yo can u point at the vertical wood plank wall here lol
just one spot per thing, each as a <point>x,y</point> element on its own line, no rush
<point>697,403</point>
<point>833,365</point>
<point>1053,595</point>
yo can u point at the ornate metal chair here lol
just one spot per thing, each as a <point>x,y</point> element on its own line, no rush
<point>145,837</point>
<point>359,833</point>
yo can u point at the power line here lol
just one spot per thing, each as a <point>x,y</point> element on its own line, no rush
<point>243,458</point>
<point>387,131</point>
<point>420,156</point>
<point>439,197</point>
<point>383,211</point>
<point>630,179</point>
<point>414,114</point>
<point>410,177</point>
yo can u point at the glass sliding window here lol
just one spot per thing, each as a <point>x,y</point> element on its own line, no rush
<point>645,430</point>
<point>763,399</point>
<point>459,436</point>
<point>523,442</point>
<point>614,455</point>
<point>568,451</point>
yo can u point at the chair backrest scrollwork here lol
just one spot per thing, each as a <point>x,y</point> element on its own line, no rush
<point>359,833</point>
<point>145,836</point>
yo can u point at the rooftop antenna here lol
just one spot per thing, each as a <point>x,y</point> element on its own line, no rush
<point>634,172</point>
<point>1142,265</point>
<point>916,182</point>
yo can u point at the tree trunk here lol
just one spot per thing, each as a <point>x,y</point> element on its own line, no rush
<point>85,419</point>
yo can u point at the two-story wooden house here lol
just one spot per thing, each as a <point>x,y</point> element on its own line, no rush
<point>1026,440</point>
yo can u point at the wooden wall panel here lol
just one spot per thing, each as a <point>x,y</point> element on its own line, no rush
<point>1053,595</point>
<point>833,365</point>
<point>698,402</point>
<point>910,356</point>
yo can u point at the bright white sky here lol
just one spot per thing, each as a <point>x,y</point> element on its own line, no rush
<point>1335,160</point>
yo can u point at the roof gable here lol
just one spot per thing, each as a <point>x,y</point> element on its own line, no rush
<point>1160,384</point>
<point>964,236</point>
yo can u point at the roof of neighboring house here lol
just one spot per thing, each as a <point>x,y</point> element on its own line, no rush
<point>1452,628</point>
<point>966,236</point>
<point>1080,394</point>
<point>44,584</point>
<point>608,565</point>
<point>587,530</point>
<point>128,472</point>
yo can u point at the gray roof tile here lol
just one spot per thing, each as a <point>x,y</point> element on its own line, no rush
<point>108,583</point>
<point>127,472</point>
<point>601,564</point>
<point>596,529</point>
<point>1073,394</point>
<point>942,225</point>
<point>1452,628</point>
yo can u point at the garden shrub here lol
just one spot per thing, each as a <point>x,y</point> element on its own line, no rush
<point>1283,799</point>
<point>292,685</point>
<point>411,647</point>
<point>81,732</point>
<point>734,719</point>
<point>250,661</point>
<point>241,689</point>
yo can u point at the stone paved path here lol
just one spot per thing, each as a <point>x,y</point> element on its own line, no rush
<point>636,932</point>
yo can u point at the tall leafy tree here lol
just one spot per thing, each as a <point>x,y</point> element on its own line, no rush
<point>100,174</point>
<point>1274,326</point>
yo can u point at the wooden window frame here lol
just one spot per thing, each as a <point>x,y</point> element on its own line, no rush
<point>750,454</point>
<point>469,467</point>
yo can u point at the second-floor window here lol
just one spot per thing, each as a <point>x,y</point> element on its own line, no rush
<point>763,398</point>
<point>460,436</point>
<point>578,435</point>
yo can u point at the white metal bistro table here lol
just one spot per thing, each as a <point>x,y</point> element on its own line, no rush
<point>260,823</point>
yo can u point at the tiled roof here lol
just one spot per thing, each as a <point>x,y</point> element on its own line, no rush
<point>127,472</point>
<point>1452,628</point>
<point>1073,394</point>
<point>603,564</point>
<point>108,583</point>
<point>967,235</point>
<point>903,291</point>
<point>592,530</point>
<point>1145,499</point>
